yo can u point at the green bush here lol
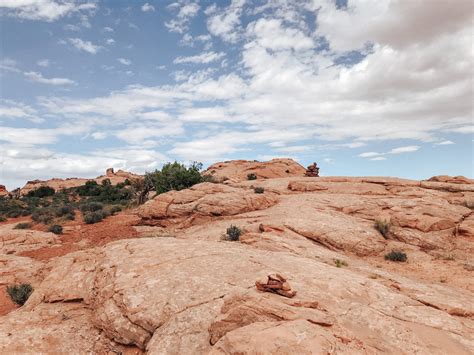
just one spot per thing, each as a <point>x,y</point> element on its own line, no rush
<point>398,256</point>
<point>383,227</point>
<point>56,229</point>
<point>175,176</point>
<point>43,215</point>
<point>92,207</point>
<point>64,211</point>
<point>20,293</point>
<point>114,209</point>
<point>233,233</point>
<point>43,191</point>
<point>23,226</point>
<point>251,176</point>
<point>93,217</point>
<point>340,263</point>
<point>259,190</point>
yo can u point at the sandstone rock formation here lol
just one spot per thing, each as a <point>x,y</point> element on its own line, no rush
<point>202,200</point>
<point>181,289</point>
<point>60,184</point>
<point>14,241</point>
<point>237,170</point>
<point>3,191</point>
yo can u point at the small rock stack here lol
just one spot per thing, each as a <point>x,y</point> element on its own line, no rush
<point>312,170</point>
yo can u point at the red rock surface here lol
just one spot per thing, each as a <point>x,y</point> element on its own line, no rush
<point>174,286</point>
<point>3,191</point>
<point>237,170</point>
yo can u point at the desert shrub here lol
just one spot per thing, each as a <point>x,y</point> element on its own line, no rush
<point>23,226</point>
<point>340,263</point>
<point>259,190</point>
<point>91,207</point>
<point>398,256</point>
<point>3,219</point>
<point>175,176</point>
<point>233,233</point>
<point>93,217</point>
<point>251,176</point>
<point>43,215</point>
<point>90,188</point>
<point>43,191</point>
<point>56,229</point>
<point>14,214</point>
<point>383,227</point>
<point>20,293</point>
<point>114,209</point>
<point>64,211</point>
<point>106,182</point>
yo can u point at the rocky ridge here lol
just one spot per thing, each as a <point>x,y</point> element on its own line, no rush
<point>60,184</point>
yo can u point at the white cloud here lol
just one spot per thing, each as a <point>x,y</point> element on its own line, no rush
<point>446,142</point>
<point>43,63</point>
<point>73,28</point>
<point>378,158</point>
<point>186,12</point>
<point>226,23</point>
<point>108,29</point>
<point>85,46</point>
<point>407,149</point>
<point>39,78</point>
<point>271,34</point>
<point>45,10</point>
<point>369,154</point>
<point>13,110</point>
<point>148,8</point>
<point>124,61</point>
<point>203,58</point>
<point>110,41</point>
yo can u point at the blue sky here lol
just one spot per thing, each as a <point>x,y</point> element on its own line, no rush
<point>372,87</point>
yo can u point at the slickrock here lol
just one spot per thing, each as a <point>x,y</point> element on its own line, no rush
<point>201,202</point>
<point>182,290</point>
<point>237,170</point>
<point>3,191</point>
<point>60,184</point>
<point>14,241</point>
<point>179,296</point>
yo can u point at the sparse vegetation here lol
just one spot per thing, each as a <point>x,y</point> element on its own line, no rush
<point>383,227</point>
<point>24,225</point>
<point>91,207</point>
<point>41,192</point>
<point>233,233</point>
<point>56,229</point>
<point>2,219</point>
<point>397,256</point>
<point>259,190</point>
<point>251,176</point>
<point>20,293</point>
<point>340,263</point>
<point>175,176</point>
<point>93,217</point>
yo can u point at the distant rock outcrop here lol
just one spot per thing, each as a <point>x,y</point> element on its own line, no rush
<point>3,191</point>
<point>60,184</point>
<point>238,170</point>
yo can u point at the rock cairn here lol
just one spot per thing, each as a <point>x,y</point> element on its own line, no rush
<point>276,284</point>
<point>312,170</point>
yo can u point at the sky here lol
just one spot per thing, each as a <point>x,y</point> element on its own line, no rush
<point>364,88</point>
